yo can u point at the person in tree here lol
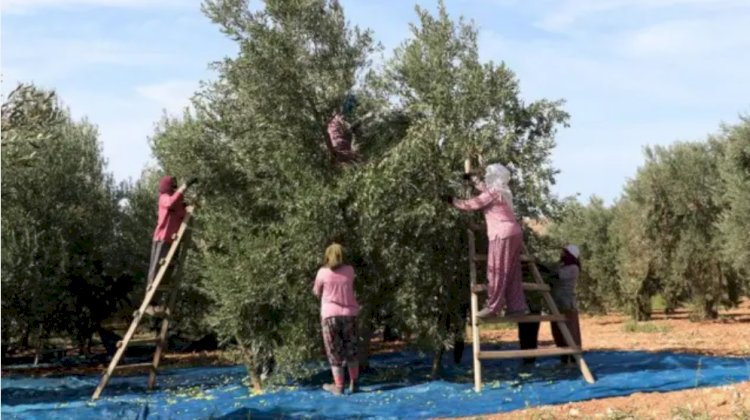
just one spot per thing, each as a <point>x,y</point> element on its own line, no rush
<point>564,294</point>
<point>340,140</point>
<point>334,285</point>
<point>170,215</point>
<point>505,290</point>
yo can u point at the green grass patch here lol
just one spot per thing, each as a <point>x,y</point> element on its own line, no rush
<point>645,327</point>
<point>684,413</point>
<point>657,303</point>
<point>500,326</point>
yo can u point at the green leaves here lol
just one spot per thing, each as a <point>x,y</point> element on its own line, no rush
<point>734,170</point>
<point>63,265</point>
<point>273,199</point>
<point>678,231</point>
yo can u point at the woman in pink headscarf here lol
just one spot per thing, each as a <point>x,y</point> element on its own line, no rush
<point>170,215</point>
<point>505,290</point>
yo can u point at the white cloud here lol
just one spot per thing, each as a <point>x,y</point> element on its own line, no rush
<point>653,81</point>
<point>555,69</point>
<point>53,59</point>
<point>693,37</point>
<point>172,95</point>
<point>29,6</point>
<point>566,14</point>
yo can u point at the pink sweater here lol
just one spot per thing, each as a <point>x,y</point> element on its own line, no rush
<point>171,214</point>
<point>339,135</point>
<point>336,288</point>
<point>501,222</point>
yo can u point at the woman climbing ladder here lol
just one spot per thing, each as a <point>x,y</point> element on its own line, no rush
<point>170,215</point>
<point>505,241</point>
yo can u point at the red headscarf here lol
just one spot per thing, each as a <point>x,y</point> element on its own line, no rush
<point>167,185</point>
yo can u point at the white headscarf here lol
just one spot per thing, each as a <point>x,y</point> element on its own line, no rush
<point>573,250</point>
<point>496,178</point>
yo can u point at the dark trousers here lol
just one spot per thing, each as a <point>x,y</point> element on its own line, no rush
<point>159,250</point>
<point>575,331</point>
<point>528,337</point>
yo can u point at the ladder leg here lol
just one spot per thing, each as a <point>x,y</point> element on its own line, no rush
<point>162,344</point>
<point>587,375</point>
<point>475,343</point>
<point>121,350</point>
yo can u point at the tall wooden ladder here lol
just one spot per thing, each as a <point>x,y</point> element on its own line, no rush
<point>554,316</point>
<point>182,236</point>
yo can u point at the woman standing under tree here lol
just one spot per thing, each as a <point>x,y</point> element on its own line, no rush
<point>334,284</point>
<point>564,294</point>
<point>505,290</point>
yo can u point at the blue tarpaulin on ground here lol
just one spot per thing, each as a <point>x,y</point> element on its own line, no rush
<point>396,386</point>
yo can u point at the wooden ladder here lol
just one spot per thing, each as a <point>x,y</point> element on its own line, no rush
<point>182,236</point>
<point>555,316</point>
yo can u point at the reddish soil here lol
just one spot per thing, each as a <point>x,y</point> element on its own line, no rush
<point>728,336</point>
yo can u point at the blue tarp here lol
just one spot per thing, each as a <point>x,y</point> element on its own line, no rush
<point>397,386</point>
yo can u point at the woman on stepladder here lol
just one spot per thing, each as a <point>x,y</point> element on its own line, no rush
<point>495,200</point>
<point>170,215</point>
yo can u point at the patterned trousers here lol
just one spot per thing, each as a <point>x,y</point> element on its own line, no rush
<point>340,339</point>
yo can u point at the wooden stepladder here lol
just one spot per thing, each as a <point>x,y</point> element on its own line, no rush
<point>182,236</point>
<point>554,316</point>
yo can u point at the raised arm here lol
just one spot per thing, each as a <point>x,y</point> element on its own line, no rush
<point>475,203</point>
<point>170,201</point>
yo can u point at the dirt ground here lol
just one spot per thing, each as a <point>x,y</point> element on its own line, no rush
<point>728,336</point>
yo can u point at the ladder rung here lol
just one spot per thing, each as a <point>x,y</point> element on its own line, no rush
<point>483,257</point>
<point>163,314</point>
<point>480,288</point>
<point>537,287</point>
<point>140,341</point>
<point>136,366</point>
<point>517,354</point>
<point>163,288</point>
<point>521,319</point>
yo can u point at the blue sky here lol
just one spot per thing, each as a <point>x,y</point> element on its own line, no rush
<point>633,72</point>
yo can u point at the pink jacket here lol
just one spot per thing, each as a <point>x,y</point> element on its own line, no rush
<point>339,135</point>
<point>171,214</point>
<point>501,222</point>
<point>336,288</point>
